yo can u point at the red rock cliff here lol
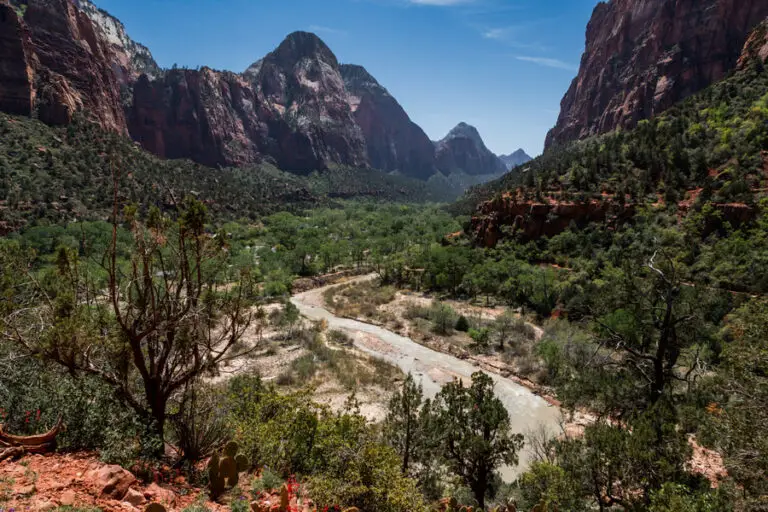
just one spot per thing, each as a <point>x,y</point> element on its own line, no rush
<point>643,56</point>
<point>394,142</point>
<point>208,116</point>
<point>55,63</point>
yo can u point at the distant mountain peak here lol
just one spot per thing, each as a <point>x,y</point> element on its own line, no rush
<point>465,131</point>
<point>463,150</point>
<point>512,160</point>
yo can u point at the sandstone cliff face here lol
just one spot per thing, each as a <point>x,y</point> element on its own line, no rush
<point>296,107</point>
<point>393,141</point>
<point>130,59</point>
<point>57,64</point>
<point>207,116</point>
<point>643,56</point>
<point>463,150</point>
<point>290,107</point>
<point>756,47</point>
<point>311,125</point>
<point>16,61</point>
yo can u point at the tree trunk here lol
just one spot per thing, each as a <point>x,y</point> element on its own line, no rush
<point>407,451</point>
<point>479,488</point>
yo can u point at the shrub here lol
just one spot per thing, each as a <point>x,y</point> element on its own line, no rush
<point>34,394</point>
<point>199,426</point>
<point>443,318</point>
<point>269,480</point>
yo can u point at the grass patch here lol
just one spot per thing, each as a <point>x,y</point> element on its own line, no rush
<point>351,370</point>
<point>360,300</point>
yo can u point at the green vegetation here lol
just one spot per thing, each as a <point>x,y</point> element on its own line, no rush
<point>65,174</point>
<point>722,129</point>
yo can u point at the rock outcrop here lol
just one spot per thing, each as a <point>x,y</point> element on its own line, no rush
<point>643,56</point>
<point>756,47</point>
<point>463,150</point>
<point>511,216</point>
<point>56,63</point>
<point>393,141</point>
<point>512,160</point>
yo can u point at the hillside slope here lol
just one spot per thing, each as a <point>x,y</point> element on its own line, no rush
<point>710,149</point>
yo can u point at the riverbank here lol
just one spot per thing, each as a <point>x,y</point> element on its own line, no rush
<point>529,412</point>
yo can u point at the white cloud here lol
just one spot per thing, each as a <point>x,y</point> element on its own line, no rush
<point>550,63</point>
<point>327,30</point>
<point>496,33</point>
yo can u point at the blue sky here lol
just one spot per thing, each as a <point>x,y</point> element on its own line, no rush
<point>500,65</point>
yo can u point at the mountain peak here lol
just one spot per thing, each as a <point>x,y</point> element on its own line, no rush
<point>299,45</point>
<point>295,47</point>
<point>463,149</point>
<point>464,131</point>
<point>512,160</point>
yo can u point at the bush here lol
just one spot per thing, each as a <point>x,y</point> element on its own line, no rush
<point>269,480</point>
<point>199,427</point>
<point>33,395</point>
<point>481,337</point>
<point>443,318</point>
<point>339,453</point>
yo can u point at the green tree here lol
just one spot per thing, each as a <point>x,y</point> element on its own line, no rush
<point>505,326</point>
<point>402,428</point>
<point>474,431</point>
<point>443,318</point>
<point>743,386</point>
<point>290,316</point>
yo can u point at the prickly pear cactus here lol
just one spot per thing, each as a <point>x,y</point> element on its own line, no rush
<point>230,450</point>
<point>242,463</point>
<point>224,472</point>
<point>284,499</point>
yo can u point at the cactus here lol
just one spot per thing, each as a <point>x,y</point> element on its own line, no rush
<point>284,499</point>
<point>242,463</point>
<point>231,449</point>
<point>224,473</point>
<point>154,507</point>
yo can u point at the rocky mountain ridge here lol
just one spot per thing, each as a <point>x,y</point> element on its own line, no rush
<point>512,160</point>
<point>297,107</point>
<point>642,57</point>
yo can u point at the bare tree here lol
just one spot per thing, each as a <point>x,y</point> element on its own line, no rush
<point>161,323</point>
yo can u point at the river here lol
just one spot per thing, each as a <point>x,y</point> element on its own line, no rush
<point>528,412</point>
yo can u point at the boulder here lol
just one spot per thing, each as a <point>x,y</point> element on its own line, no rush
<point>135,498</point>
<point>114,482</point>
